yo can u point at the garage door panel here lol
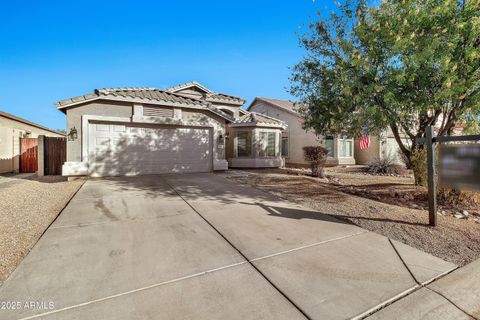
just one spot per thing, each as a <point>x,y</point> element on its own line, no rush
<point>132,150</point>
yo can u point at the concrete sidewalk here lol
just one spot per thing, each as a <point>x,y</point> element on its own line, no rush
<point>200,246</point>
<point>455,296</point>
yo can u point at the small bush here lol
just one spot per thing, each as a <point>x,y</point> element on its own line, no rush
<point>385,165</point>
<point>317,156</point>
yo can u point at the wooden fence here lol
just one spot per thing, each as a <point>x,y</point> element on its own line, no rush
<point>50,154</point>
<point>28,154</point>
<point>55,153</point>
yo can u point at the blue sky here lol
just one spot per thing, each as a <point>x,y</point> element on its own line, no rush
<point>51,50</point>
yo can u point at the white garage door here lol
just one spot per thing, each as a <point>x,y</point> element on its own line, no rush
<point>116,149</point>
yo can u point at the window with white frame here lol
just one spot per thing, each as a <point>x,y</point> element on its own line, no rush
<point>268,141</point>
<point>284,146</point>
<point>244,144</point>
<point>345,147</point>
<point>329,144</point>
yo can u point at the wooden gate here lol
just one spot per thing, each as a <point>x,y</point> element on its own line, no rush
<point>28,154</point>
<point>55,155</point>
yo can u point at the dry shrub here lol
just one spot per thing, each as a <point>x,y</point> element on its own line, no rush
<point>386,165</point>
<point>455,197</point>
<point>317,156</point>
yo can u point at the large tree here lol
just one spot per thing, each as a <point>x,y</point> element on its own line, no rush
<point>401,64</point>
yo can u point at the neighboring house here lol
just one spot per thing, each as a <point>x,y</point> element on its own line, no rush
<point>186,128</point>
<point>381,147</point>
<point>12,128</point>
<point>295,137</point>
<point>385,145</point>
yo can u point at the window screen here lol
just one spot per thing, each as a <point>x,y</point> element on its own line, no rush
<point>346,147</point>
<point>329,145</point>
<point>267,144</point>
<point>244,144</point>
<point>285,147</point>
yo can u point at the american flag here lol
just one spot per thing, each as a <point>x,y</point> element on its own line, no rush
<point>364,141</point>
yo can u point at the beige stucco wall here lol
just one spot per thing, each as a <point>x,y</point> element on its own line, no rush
<point>297,136</point>
<point>219,129</point>
<point>367,155</point>
<point>98,108</point>
<point>10,133</point>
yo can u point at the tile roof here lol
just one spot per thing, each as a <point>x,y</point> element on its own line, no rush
<point>257,118</point>
<point>210,96</point>
<point>152,94</point>
<point>33,124</point>
<point>139,93</point>
<point>287,105</point>
<point>221,97</point>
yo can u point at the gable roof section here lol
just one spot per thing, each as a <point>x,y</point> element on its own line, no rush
<point>286,105</point>
<point>30,123</point>
<point>257,119</point>
<point>189,85</point>
<point>210,96</point>
<point>141,95</point>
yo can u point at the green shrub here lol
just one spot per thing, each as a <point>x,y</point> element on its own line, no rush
<point>317,156</point>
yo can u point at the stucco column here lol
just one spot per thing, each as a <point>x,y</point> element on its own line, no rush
<point>41,155</point>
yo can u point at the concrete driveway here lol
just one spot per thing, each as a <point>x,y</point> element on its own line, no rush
<point>199,246</point>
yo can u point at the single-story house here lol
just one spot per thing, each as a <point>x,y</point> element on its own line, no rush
<point>185,128</point>
<point>12,128</point>
<point>295,137</point>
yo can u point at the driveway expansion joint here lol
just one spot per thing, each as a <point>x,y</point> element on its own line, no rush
<point>403,262</point>
<point>202,273</point>
<point>308,246</point>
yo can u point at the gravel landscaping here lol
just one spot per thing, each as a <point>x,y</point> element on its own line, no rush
<point>28,204</point>
<point>455,240</point>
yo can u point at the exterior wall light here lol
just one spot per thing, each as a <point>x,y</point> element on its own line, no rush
<point>220,141</point>
<point>72,135</point>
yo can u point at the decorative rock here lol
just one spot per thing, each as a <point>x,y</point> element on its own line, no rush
<point>465,213</point>
<point>459,216</point>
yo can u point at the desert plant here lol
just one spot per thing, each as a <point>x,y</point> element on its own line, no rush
<point>317,156</point>
<point>419,166</point>
<point>385,165</point>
